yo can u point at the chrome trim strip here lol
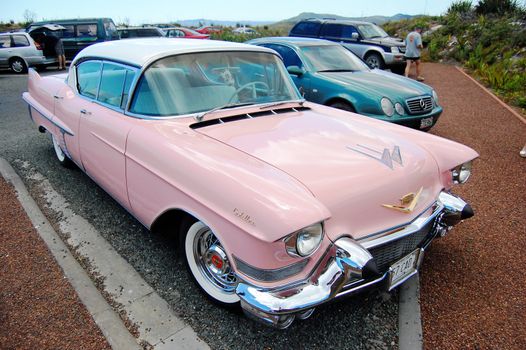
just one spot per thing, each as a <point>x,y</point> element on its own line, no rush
<point>400,231</point>
<point>63,128</point>
<point>270,275</point>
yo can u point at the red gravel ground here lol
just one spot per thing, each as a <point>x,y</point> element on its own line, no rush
<point>473,284</point>
<point>38,307</point>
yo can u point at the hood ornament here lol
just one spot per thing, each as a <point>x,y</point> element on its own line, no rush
<point>385,157</point>
<point>407,203</point>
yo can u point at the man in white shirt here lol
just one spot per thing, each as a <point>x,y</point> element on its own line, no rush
<point>413,45</point>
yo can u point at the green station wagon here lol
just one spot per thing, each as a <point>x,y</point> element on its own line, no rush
<point>329,74</point>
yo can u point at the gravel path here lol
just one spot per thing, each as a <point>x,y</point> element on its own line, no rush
<point>38,307</point>
<point>473,284</point>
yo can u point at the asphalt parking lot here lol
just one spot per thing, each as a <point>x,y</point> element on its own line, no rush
<point>367,321</point>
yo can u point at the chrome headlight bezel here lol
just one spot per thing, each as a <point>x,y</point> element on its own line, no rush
<point>296,242</point>
<point>387,106</point>
<point>462,173</point>
<point>395,49</point>
<point>399,108</point>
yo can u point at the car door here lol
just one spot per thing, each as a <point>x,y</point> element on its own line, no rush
<point>103,126</point>
<point>5,49</point>
<point>291,58</point>
<point>343,34</point>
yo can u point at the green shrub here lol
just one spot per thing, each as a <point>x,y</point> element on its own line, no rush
<point>498,7</point>
<point>461,7</point>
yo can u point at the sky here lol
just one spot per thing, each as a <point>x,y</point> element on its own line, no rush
<point>153,11</point>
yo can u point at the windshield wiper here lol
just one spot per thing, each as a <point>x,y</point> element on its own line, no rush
<point>199,116</point>
<point>271,105</point>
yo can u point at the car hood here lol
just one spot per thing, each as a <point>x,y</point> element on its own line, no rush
<point>338,157</point>
<point>388,41</point>
<point>378,83</point>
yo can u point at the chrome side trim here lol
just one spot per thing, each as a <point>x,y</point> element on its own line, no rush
<point>63,128</point>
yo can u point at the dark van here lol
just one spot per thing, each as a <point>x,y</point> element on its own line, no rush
<point>80,33</point>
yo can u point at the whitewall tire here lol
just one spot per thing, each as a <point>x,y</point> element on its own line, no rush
<point>209,264</point>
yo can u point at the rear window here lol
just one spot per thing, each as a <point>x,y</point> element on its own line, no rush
<point>5,41</point>
<point>69,32</point>
<point>20,41</point>
<point>306,28</point>
<point>88,76</point>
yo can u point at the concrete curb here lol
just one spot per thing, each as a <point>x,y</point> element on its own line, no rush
<point>410,334</point>
<point>502,103</point>
<point>156,323</point>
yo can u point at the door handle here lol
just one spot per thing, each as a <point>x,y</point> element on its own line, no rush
<point>58,97</point>
<point>85,112</point>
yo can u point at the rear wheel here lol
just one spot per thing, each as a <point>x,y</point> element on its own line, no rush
<point>18,65</point>
<point>375,60</point>
<point>61,156</point>
<point>208,262</point>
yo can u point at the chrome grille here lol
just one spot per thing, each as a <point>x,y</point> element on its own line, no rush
<point>419,105</point>
<point>385,255</point>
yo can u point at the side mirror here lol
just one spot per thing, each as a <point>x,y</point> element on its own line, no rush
<point>355,36</point>
<point>295,70</point>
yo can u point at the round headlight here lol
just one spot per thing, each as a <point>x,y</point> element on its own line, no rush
<point>435,97</point>
<point>305,241</point>
<point>462,173</point>
<point>399,109</point>
<point>387,107</point>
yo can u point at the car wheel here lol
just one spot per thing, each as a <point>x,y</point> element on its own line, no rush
<point>342,105</point>
<point>208,262</point>
<point>61,156</point>
<point>18,65</point>
<point>374,60</point>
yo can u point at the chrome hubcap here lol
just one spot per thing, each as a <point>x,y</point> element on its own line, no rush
<point>17,66</point>
<point>213,262</point>
<point>373,62</point>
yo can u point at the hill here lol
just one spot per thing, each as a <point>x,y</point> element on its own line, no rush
<point>374,19</point>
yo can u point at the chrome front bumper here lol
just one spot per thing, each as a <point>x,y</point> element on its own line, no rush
<point>348,266</point>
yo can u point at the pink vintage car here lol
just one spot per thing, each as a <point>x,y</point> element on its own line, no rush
<point>278,204</point>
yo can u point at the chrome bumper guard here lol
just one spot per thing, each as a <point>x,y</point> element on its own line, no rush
<point>347,267</point>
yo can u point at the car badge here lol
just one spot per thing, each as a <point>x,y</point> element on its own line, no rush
<point>385,157</point>
<point>407,203</point>
<point>422,103</point>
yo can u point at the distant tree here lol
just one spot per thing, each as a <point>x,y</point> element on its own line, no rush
<point>498,7</point>
<point>29,16</point>
<point>238,25</point>
<point>462,7</point>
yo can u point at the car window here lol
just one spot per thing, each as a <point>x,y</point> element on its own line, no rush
<point>145,33</point>
<point>290,58</point>
<point>87,30</point>
<point>20,41</point>
<point>332,58</point>
<point>332,30</point>
<point>307,28</point>
<point>130,76</point>
<point>110,29</point>
<point>193,83</point>
<point>371,31</point>
<point>347,31</point>
<point>69,32</point>
<point>5,41</point>
<point>88,76</point>
<point>112,84</point>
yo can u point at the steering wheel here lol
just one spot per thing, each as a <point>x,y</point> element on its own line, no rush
<point>252,84</point>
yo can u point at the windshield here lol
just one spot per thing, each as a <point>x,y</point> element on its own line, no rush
<point>371,31</point>
<point>199,82</point>
<point>334,58</point>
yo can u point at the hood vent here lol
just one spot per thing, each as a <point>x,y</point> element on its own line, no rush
<point>247,116</point>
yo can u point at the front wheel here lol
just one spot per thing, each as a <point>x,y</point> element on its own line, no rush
<point>375,60</point>
<point>208,262</point>
<point>343,106</point>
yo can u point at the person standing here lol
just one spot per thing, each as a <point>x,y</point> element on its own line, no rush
<point>59,50</point>
<point>413,45</point>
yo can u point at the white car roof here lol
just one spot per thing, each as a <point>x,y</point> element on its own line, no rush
<point>140,52</point>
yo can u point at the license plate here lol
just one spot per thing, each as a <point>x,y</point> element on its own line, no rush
<point>403,268</point>
<point>426,122</point>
